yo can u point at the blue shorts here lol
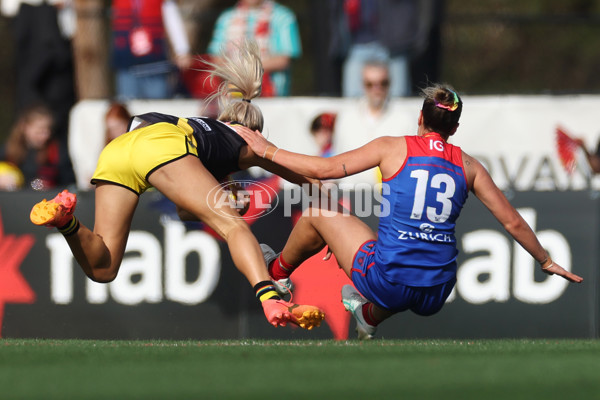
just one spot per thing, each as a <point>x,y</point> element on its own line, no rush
<point>369,281</point>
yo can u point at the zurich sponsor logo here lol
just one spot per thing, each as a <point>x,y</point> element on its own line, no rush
<point>427,228</point>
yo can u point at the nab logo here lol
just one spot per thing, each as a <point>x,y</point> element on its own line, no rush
<point>13,286</point>
<point>436,145</point>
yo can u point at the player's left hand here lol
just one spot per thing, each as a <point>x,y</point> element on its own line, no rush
<point>554,268</point>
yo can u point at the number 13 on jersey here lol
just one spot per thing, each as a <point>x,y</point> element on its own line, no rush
<point>444,187</point>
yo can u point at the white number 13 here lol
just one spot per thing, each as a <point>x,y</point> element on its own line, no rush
<point>423,184</point>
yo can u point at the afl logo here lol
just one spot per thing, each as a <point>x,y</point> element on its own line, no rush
<point>427,228</point>
<point>257,199</point>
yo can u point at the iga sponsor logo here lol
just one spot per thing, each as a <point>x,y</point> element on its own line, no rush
<point>436,144</point>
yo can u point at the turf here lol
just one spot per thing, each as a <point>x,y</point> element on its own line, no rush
<point>247,369</point>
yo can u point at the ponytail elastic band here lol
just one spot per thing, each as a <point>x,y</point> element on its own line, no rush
<point>454,105</point>
<point>246,100</point>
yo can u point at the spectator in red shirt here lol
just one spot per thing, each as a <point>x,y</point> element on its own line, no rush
<point>140,50</point>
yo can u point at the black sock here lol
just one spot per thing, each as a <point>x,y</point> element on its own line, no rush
<point>71,228</point>
<point>266,291</point>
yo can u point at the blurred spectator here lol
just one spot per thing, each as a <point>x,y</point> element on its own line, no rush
<point>370,117</point>
<point>85,151</point>
<point>384,30</point>
<point>44,57</point>
<point>273,27</point>
<point>42,159</point>
<point>140,50</point>
<point>321,128</point>
<point>593,159</point>
<point>428,49</point>
<point>11,177</point>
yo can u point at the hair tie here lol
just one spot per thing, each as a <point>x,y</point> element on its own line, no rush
<point>454,105</point>
<point>246,100</point>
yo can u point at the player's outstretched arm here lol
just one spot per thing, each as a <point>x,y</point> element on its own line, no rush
<point>339,166</point>
<point>491,196</point>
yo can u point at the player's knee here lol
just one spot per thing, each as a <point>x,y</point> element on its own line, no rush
<point>103,275</point>
<point>234,227</point>
<point>310,212</point>
<point>427,311</point>
<point>103,278</point>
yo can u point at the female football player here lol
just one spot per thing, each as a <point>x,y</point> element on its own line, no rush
<point>410,264</point>
<point>184,159</point>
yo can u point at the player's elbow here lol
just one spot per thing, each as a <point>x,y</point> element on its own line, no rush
<point>320,175</point>
<point>104,275</point>
<point>325,169</point>
<point>515,225</point>
<point>185,215</point>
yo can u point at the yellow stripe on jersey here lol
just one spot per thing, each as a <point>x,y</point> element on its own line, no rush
<point>183,124</point>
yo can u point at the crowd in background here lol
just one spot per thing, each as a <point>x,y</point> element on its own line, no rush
<point>374,46</point>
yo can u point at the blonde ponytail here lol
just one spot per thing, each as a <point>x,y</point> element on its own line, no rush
<point>241,75</point>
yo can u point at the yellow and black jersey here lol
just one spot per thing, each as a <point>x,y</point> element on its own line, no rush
<point>218,145</point>
<point>155,139</point>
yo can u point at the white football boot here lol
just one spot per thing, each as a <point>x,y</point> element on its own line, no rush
<point>353,302</point>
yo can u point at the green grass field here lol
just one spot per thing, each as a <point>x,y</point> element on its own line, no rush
<point>380,369</point>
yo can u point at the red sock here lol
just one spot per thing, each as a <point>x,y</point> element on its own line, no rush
<point>367,311</point>
<point>279,269</point>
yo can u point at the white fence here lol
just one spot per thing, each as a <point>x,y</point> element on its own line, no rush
<point>514,136</point>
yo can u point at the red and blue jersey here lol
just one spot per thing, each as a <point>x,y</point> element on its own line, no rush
<point>416,244</point>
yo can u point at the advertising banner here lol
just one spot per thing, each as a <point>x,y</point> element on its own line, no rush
<point>177,280</point>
